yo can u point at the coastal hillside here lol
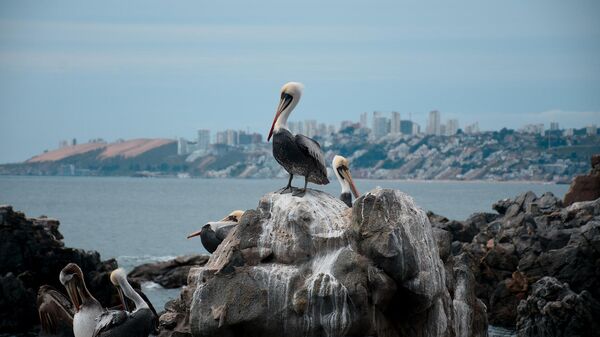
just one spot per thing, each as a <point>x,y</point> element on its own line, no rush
<point>503,155</point>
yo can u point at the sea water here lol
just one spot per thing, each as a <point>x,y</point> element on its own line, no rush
<point>138,220</point>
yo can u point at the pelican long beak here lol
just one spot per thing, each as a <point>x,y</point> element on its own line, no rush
<point>285,101</point>
<point>73,295</point>
<point>345,172</point>
<point>196,233</point>
<point>122,297</point>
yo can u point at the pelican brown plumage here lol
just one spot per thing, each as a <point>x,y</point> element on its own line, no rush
<point>140,322</point>
<point>87,308</point>
<point>298,154</point>
<point>56,313</point>
<point>342,171</point>
<point>213,233</point>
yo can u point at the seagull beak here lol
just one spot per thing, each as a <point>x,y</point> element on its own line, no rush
<point>194,234</point>
<point>285,101</point>
<point>345,172</point>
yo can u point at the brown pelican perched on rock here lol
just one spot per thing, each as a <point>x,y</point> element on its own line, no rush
<point>213,233</point>
<point>87,308</point>
<point>342,172</point>
<point>140,322</point>
<point>298,154</point>
<point>56,313</point>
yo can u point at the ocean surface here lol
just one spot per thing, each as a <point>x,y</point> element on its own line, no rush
<point>138,220</point>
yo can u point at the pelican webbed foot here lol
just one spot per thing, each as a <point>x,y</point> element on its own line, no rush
<point>299,192</point>
<point>286,190</point>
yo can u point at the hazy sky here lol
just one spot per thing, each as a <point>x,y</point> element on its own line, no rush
<point>130,69</point>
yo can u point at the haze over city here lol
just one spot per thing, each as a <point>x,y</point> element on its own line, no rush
<point>149,69</point>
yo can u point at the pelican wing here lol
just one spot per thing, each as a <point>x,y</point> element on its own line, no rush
<point>55,310</point>
<point>223,231</point>
<point>311,148</point>
<point>109,320</point>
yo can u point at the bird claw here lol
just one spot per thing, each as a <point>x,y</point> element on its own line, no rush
<point>299,193</point>
<point>286,190</point>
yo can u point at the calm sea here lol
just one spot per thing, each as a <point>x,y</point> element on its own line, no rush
<point>137,220</point>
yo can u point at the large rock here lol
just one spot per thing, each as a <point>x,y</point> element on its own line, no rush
<point>585,187</point>
<point>169,274</point>
<point>554,310</point>
<point>32,253</point>
<point>530,237</point>
<point>312,267</point>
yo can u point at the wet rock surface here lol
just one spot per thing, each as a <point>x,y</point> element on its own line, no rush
<point>313,267</point>
<point>169,274</point>
<point>529,237</point>
<point>553,309</point>
<point>32,253</point>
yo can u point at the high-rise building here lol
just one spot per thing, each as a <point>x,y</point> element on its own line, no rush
<point>395,123</point>
<point>451,127</point>
<point>310,128</point>
<point>433,123</point>
<point>406,127</point>
<point>221,137</point>
<point>381,127</point>
<point>231,137</point>
<point>203,139</point>
<point>553,126</point>
<point>182,146</point>
<point>416,129</point>
<point>533,128</point>
<point>363,120</point>
<point>472,128</point>
<point>591,130</point>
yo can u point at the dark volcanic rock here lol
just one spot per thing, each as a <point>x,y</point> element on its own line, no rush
<point>312,267</point>
<point>32,254</point>
<point>169,274</point>
<point>532,237</point>
<point>554,310</point>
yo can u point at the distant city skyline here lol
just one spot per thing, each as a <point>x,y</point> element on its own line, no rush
<point>70,69</point>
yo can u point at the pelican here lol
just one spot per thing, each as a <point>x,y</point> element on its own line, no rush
<point>342,172</point>
<point>213,233</point>
<point>140,322</point>
<point>56,313</point>
<point>298,154</point>
<point>87,308</point>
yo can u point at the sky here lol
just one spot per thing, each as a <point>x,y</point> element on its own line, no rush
<point>115,69</point>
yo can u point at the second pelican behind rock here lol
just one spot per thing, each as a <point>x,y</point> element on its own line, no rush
<point>342,172</point>
<point>213,233</point>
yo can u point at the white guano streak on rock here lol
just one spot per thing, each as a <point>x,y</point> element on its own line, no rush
<point>328,302</point>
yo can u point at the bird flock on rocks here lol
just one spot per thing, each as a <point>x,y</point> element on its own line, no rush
<point>82,315</point>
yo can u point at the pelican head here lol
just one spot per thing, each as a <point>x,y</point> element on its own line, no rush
<point>290,95</point>
<point>234,216</point>
<point>341,168</point>
<point>116,278</point>
<point>71,277</point>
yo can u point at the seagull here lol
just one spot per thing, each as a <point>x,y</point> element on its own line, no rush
<point>56,313</point>
<point>298,154</point>
<point>87,308</point>
<point>342,172</point>
<point>213,233</point>
<point>140,322</point>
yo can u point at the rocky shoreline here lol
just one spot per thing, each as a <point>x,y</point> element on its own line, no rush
<point>314,267</point>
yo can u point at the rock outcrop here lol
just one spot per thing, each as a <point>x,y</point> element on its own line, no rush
<point>32,253</point>
<point>169,274</point>
<point>585,187</point>
<point>313,267</point>
<point>554,310</point>
<point>528,238</point>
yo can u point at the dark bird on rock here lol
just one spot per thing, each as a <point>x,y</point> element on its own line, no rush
<point>140,322</point>
<point>213,233</point>
<point>298,154</point>
<point>87,308</point>
<point>342,171</point>
<point>56,313</point>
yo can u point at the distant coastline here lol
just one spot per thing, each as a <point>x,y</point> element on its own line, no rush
<point>498,156</point>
